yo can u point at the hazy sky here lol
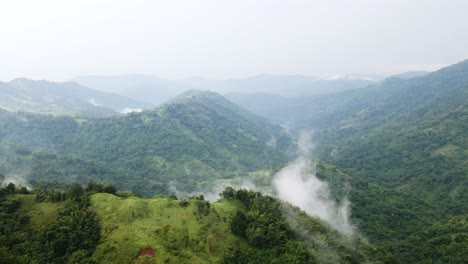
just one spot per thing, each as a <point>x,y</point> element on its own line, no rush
<point>60,39</point>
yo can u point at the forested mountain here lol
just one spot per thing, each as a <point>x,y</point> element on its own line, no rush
<point>67,98</point>
<point>406,134</point>
<point>409,136</point>
<point>411,229</point>
<point>196,139</point>
<point>438,93</point>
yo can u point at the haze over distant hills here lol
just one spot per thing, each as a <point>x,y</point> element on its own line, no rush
<point>299,109</point>
<point>410,74</point>
<point>155,90</point>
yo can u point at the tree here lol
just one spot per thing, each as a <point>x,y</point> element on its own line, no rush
<point>75,192</point>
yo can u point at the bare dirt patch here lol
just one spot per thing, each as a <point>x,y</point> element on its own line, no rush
<point>147,251</point>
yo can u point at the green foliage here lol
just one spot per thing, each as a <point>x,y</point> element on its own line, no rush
<point>92,227</point>
<point>401,223</point>
<point>179,234</point>
<point>190,142</point>
<point>72,236</point>
<point>405,143</point>
<point>443,242</point>
<point>101,188</point>
<point>409,135</point>
<point>280,233</point>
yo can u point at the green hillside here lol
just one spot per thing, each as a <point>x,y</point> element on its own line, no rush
<point>410,228</point>
<point>404,143</point>
<point>83,226</point>
<point>414,139</point>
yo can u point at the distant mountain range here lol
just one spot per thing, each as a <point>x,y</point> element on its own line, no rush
<point>325,108</point>
<point>410,74</point>
<point>155,91</point>
<point>63,99</point>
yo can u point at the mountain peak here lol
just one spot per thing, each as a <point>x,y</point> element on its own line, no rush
<point>20,81</point>
<point>194,94</point>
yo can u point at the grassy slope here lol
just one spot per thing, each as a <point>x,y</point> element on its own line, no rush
<point>177,234</point>
<point>178,231</point>
<point>40,214</point>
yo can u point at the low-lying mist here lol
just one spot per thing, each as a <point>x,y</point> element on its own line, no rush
<point>212,193</point>
<point>16,180</point>
<point>296,183</point>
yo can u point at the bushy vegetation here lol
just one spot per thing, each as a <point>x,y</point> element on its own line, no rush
<point>279,233</point>
<point>411,229</point>
<point>47,227</point>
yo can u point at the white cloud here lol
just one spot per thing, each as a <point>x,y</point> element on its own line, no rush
<point>128,110</point>
<point>297,184</point>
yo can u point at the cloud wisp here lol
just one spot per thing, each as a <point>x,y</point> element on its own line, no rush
<point>296,183</point>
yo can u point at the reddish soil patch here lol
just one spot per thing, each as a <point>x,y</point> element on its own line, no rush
<point>147,251</point>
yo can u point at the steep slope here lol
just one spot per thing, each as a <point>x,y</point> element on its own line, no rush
<point>412,136</point>
<point>426,158</point>
<point>62,99</point>
<point>192,141</point>
<point>373,106</point>
<point>407,137</point>
<point>413,230</point>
